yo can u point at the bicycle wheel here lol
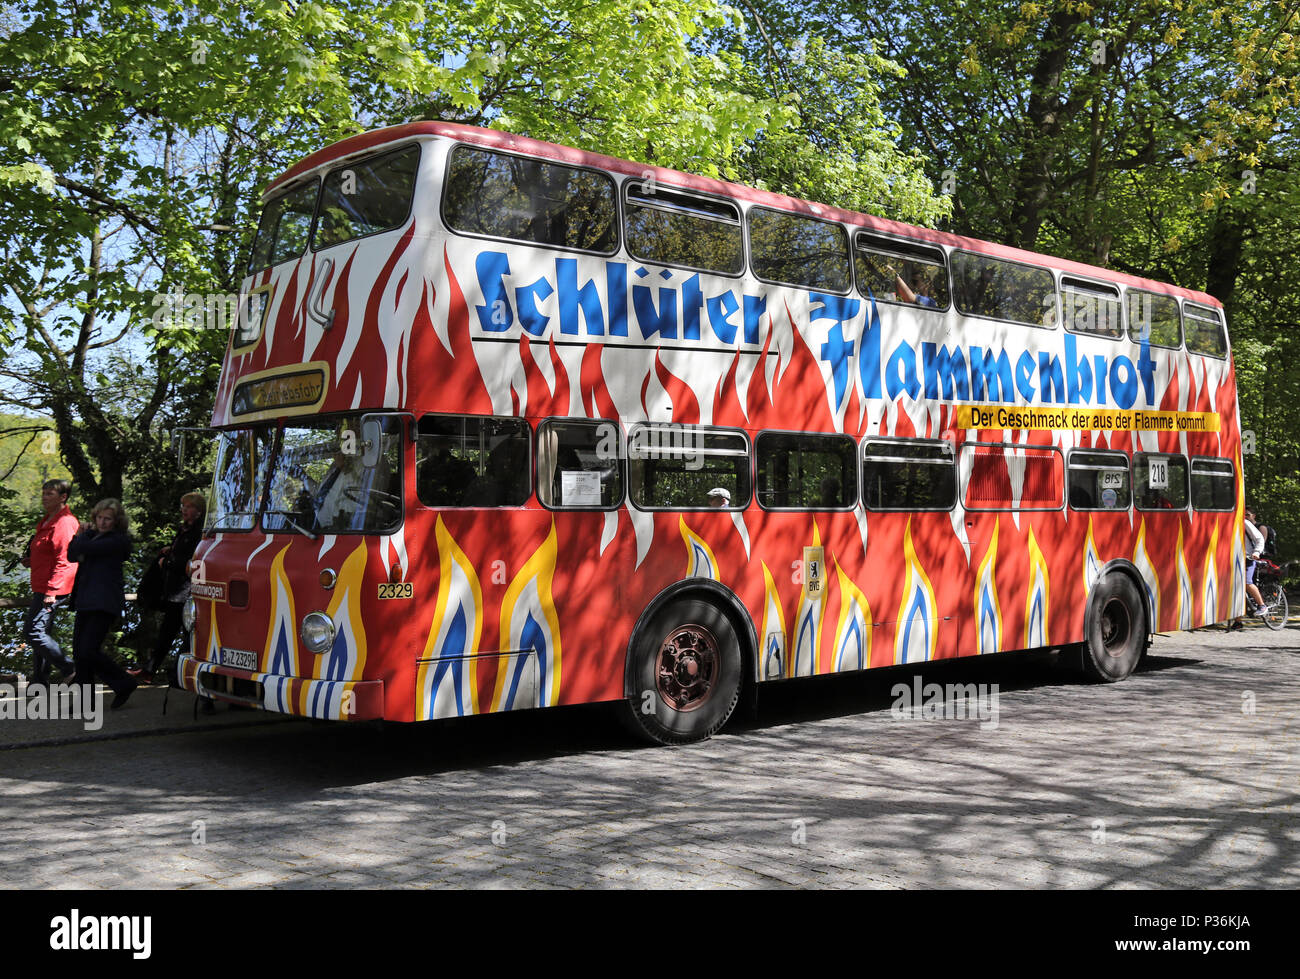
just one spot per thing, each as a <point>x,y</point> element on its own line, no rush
<point>1279,610</point>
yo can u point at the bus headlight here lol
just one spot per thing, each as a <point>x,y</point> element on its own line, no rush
<point>317,632</point>
<point>189,613</point>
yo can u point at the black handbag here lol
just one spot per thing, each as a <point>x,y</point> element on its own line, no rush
<point>149,595</point>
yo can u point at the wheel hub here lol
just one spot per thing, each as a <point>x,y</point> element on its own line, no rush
<point>1115,627</point>
<point>687,666</point>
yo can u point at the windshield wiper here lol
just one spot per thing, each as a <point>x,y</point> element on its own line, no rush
<point>288,516</point>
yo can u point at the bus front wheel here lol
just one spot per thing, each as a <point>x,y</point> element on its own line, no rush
<point>1115,629</point>
<point>686,667</point>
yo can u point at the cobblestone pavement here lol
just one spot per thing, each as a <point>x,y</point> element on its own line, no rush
<point>1185,775</point>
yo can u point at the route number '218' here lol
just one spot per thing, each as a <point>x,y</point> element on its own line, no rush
<point>396,589</point>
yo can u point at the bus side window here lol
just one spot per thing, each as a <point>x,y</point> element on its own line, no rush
<point>284,226</point>
<point>676,467</point>
<point>1091,307</point>
<point>579,464</point>
<point>802,471</point>
<point>984,286</point>
<point>790,249</point>
<point>1160,481</point>
<point>472,461</point>
<point>672,227</point>
<point>1214,484</point>
<point>1154,318</point>
<point>367,197</point>
<point>1012,477</point>
<point>1098,481</point>
<point>908,475</point>
<point>899,271</point>
<point>500,195</point>
<point>1204,331</point>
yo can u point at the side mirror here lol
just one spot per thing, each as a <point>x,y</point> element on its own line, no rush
<point>371,434</point>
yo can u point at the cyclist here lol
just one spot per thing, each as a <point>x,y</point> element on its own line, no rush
<point>1254,545</point>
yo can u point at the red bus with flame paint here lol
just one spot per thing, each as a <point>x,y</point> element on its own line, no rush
<point>505,425</point>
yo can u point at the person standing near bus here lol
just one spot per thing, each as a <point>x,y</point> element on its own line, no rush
<point>1254,545</point>
<point>100,549</point>
<point>52,577</point>
<point>174,582</point>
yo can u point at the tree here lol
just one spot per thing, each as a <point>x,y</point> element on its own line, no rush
<point>135,139</point>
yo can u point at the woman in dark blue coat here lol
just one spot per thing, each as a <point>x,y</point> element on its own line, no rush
<point>98,594</point>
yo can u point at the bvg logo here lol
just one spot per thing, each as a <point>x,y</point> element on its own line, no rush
<point>814,571</point>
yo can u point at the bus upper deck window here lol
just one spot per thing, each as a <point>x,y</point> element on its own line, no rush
<point>984,286</point>
<point>472,462</point>
<point>790,249</point>
<point>899,271</point>
<point>500,195</point>
<point>367,197</point>
<point>1154,318</point>
<point>1090,307</point>
<point>672,227</point>
<point>1204,331</point>
<point>283,229</point>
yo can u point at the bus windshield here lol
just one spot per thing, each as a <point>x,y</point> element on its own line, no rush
<point>320,485</point>
<point>242,458</point>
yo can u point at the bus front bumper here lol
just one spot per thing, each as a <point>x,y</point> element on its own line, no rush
<point>330,700</point>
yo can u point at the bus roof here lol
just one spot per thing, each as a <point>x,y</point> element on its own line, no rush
<point>675,178</point>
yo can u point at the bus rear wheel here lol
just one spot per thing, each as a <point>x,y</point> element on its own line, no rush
<point>1114,630</point>
<point>686,667</point>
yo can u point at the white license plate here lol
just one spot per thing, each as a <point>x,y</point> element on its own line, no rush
<point>240,659</point>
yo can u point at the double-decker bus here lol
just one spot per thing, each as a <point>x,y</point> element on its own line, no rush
<point>507,425</point>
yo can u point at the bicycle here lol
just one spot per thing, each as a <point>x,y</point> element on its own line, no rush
<point>1270,578</point>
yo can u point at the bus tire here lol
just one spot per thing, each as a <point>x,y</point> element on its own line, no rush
<point>1114,629</point>
<point>686,666</point>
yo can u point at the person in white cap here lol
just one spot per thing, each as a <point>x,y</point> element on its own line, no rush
<point>719,497</point>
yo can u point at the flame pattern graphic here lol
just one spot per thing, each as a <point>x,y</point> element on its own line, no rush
<point>447,681</point>
<point>531,626</point>
<point>1238,603</point>
<point>773,635</point>
<point>1038,598</point>
<point>1091,561</point>
<point>1210,582</point>
<point>281,644</point>
<point>347,659</point>
<point>988,611</point>
<point>1184,587</point>
<point>700,562</point>
<point>1150,579</point>
<point>806,640</point>
<point>853,631</point>
<point>915,633</point>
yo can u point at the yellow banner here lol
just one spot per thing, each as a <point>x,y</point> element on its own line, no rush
<point>1085,419</point>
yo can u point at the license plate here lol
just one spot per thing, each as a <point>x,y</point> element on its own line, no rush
<point>240,659</point>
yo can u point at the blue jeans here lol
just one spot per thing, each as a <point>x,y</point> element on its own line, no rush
<point>36,629</point>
